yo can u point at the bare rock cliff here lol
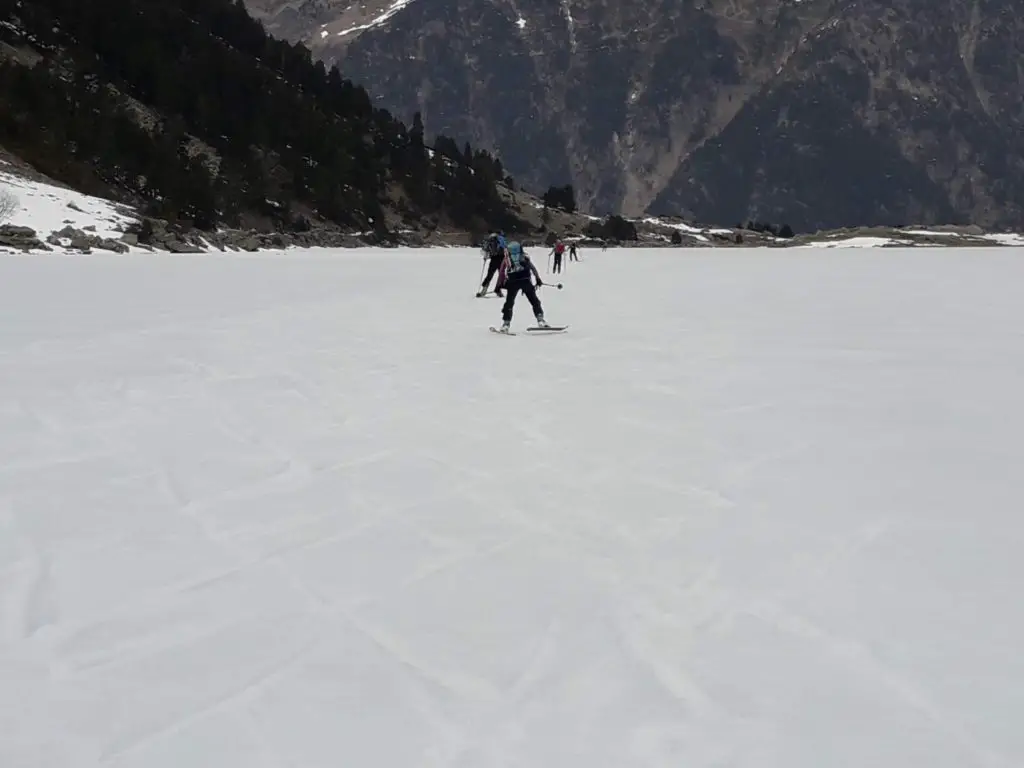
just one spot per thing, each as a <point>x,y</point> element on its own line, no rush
<point>819,113</point>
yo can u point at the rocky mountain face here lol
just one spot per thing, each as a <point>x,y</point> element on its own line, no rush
<point>323,24</point>
<point>819,113</point>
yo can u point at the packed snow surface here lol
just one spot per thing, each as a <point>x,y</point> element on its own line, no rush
<point>756,508</point>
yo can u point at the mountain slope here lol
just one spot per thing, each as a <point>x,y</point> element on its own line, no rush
<point>190,108</point>
<point>649,106</point>
<point>336,22</point>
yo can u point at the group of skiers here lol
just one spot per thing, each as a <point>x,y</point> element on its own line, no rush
<point>514,267</point>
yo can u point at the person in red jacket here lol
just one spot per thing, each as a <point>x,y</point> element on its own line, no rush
<point>557,252</point>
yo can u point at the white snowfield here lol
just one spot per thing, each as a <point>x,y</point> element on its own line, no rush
<point>47,208</point>
<point>755,509</point>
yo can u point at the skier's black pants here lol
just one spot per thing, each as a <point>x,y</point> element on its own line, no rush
<point>512,288</point>
<point>491,269</point>
<point>558,262</point>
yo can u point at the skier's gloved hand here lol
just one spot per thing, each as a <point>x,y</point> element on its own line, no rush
<point>539,282</point>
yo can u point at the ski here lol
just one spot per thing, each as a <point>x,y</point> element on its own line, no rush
<point>535,329</point>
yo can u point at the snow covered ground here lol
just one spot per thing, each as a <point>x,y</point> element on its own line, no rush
<point>864,241</point>
<point>47,208</point>
<point>1006,238</point>
<point>756,509</point>
<point>954,239</point>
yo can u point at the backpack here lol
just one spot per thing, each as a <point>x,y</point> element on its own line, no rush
<point>491,246</point>
<point>516,257</point>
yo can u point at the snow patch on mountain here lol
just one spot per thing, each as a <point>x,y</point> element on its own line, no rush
<point>858,242</point>
<point>1006,238</point>
<point>571,23</point>
<point>394,8</point>
<point>674,225</point>
<point>47,208</point>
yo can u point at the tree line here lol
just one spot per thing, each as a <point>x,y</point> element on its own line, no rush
<point>191,108</point>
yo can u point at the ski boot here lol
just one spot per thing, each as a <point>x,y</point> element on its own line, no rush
<point>504,327</point>
<point>541,322</point>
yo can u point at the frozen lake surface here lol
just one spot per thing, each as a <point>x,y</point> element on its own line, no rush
<point>755,509</point>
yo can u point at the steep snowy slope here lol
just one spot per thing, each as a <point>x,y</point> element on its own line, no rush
<point>756,509</point>
<point>47,208</point>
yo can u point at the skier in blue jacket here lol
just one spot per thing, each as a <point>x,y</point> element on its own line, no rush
<point>518,268</point>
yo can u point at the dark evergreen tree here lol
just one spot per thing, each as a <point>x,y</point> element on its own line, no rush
<point>614,228</point>
<point>563,198</point>
<point>189,107</point>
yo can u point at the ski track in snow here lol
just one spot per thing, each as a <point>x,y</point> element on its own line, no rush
<point>756,508</point>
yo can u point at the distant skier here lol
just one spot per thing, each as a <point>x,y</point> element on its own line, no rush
<point>518,268</point>
<point>494,250</point>
<point>557,252</point>
<point>573,256</point>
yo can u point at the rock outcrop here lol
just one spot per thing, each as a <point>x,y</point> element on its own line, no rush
<point>84,241</point>
<point>21,238</point>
